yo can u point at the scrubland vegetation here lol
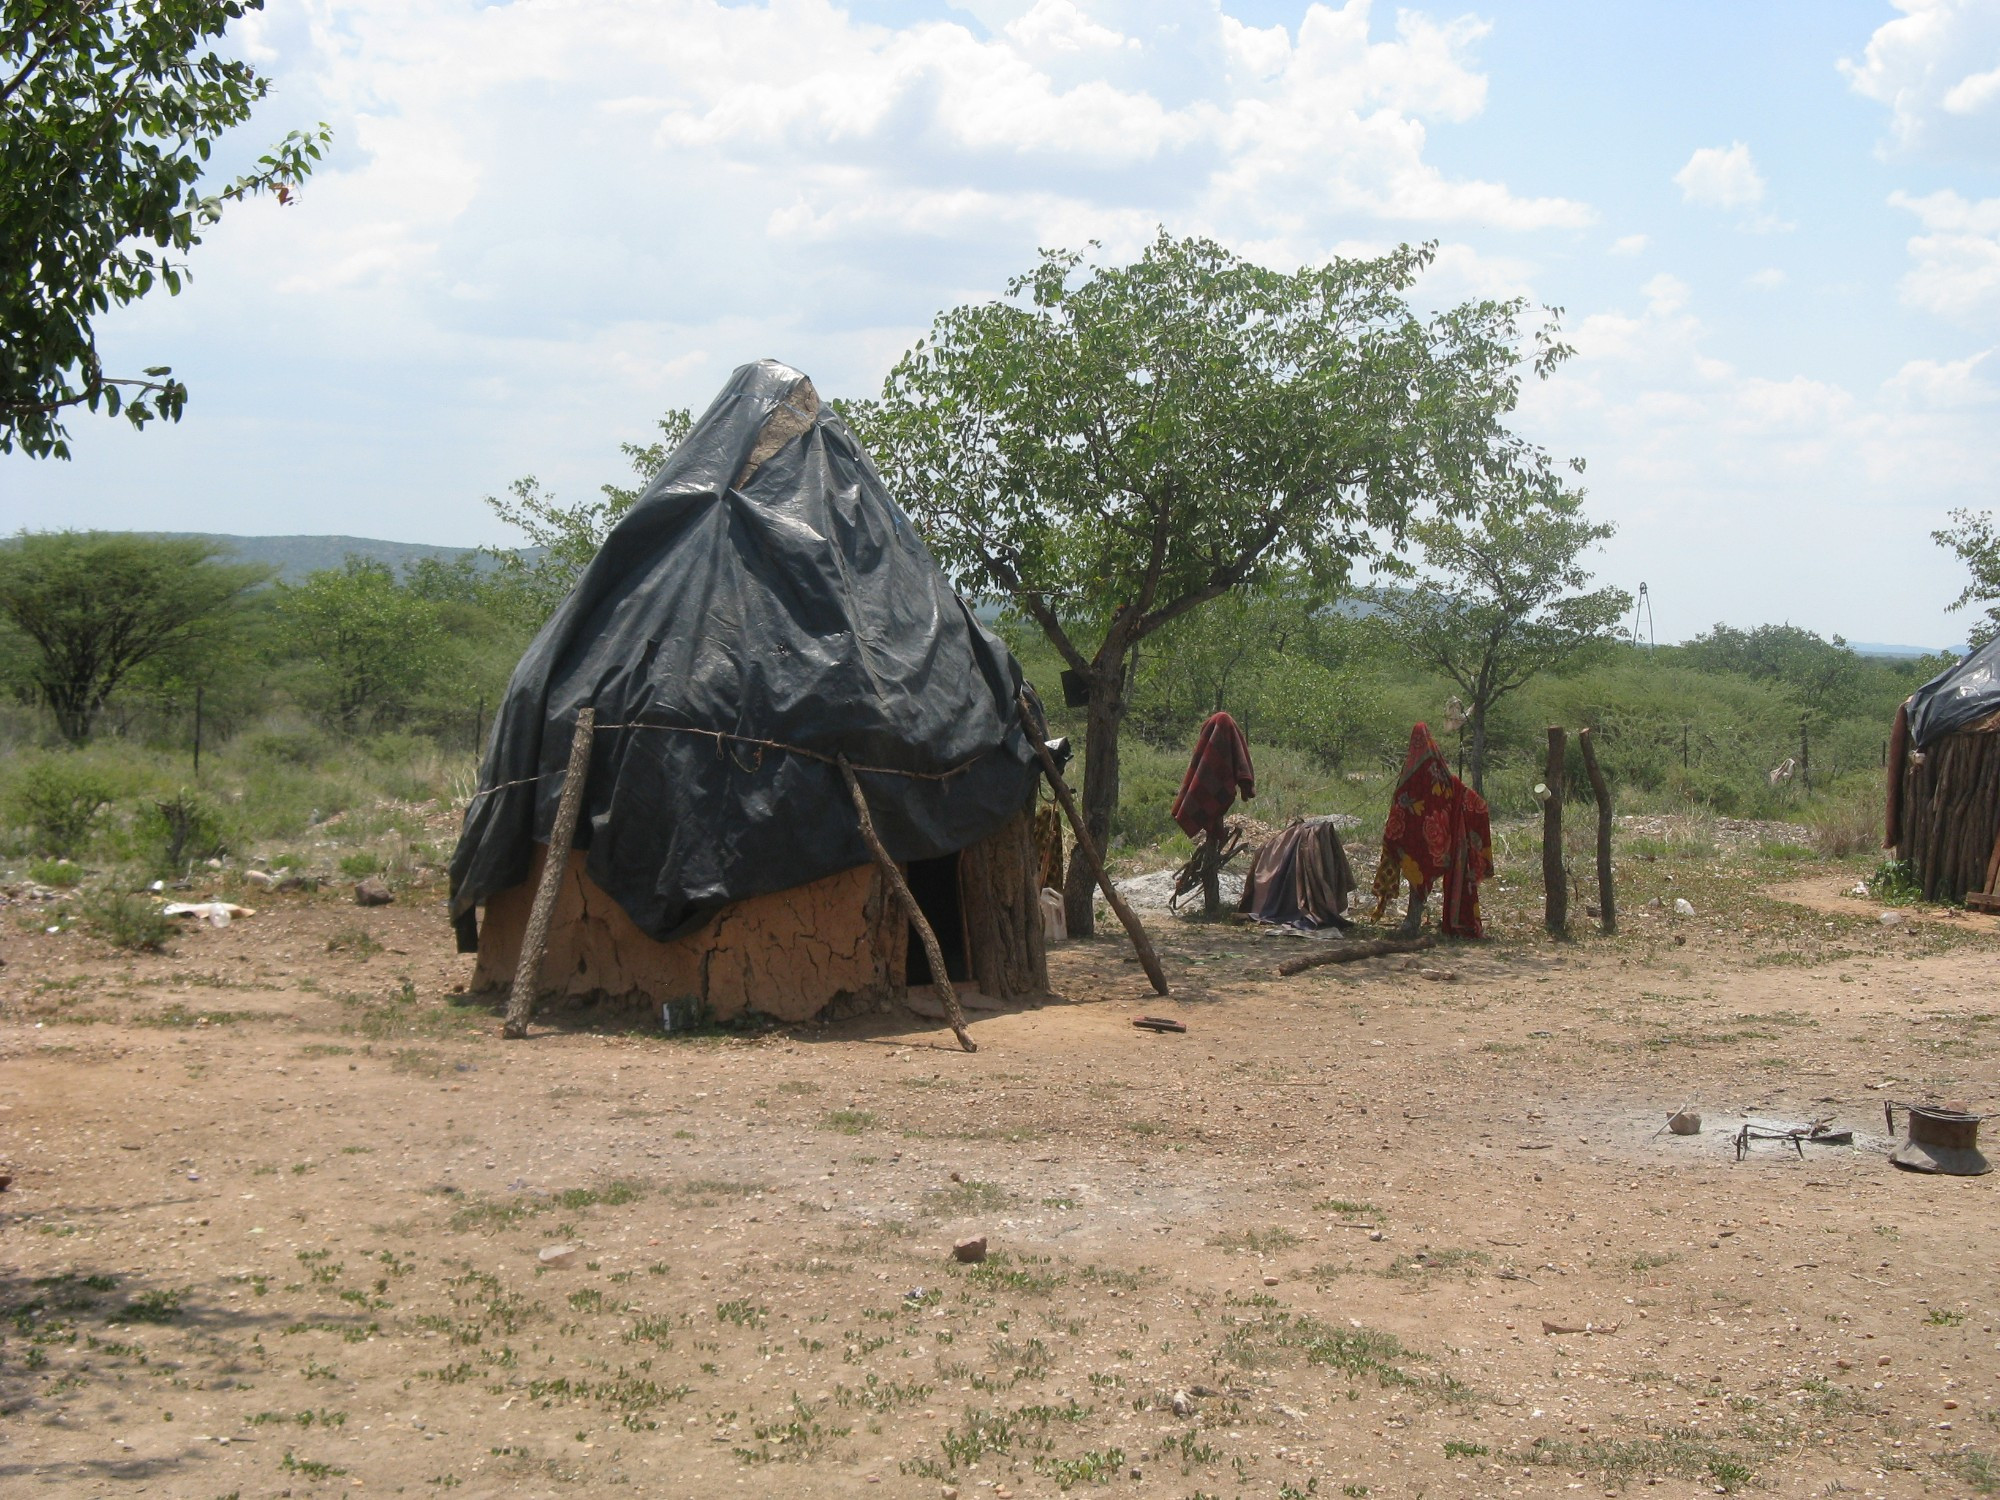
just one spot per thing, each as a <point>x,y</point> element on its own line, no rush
<point>338,719</point>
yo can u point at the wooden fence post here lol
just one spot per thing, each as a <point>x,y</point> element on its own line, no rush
<point>1607,896</point>
<point>535,941</point>
<point>1554,882</point>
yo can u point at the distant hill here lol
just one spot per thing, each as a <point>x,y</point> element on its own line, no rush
<point>296,556</point>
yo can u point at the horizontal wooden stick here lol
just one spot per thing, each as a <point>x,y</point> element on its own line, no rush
<point>1347,953</point>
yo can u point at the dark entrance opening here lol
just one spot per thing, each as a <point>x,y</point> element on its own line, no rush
<point>934,882</point>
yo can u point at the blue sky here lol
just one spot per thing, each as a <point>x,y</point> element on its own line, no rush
<point>1774,229</point>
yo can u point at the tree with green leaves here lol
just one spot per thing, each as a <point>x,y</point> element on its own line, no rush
<point>1112,447</point>
<point>365,644</point>
<point>1827,675</point>
<point>1972,536</point>
<point>92,608</point>
<point>109,110</point>
<point>1502,599</point>
<point>562,539</point>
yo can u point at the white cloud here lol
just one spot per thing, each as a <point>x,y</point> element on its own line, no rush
<point>1769,279</point>
<point>1695,456</point>
<point>1937,68</point>
<point>1058,26</point>
<point>1943,385</point>
<point>1721,177</point>
<point>1956,270</point>
<point>1629,244</point>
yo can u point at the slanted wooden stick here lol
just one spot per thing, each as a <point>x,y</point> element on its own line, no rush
<point>1607,898</point>
<point>1346,953</point>
<point>1148,959</point>
<point>940,980</point>
<point>535,942</point>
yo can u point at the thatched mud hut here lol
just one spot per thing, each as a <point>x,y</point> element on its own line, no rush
<point>764,611</point>
<point>1944,782</point>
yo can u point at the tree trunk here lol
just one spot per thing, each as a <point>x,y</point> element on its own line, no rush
<point>1477,763</point>
<point>1100,791</point>
<point>1003,910</point>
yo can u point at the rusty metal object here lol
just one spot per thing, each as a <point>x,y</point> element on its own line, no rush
<point>1816,1133</point>
<point>1942,1140</point>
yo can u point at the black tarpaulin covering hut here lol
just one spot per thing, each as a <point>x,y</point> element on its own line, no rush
<point>764,608</point>
<point>1944,781</point>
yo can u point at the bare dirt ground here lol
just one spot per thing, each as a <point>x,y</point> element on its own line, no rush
<point>278,1201</point>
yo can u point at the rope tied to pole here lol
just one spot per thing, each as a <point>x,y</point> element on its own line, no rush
<point>723,740</point>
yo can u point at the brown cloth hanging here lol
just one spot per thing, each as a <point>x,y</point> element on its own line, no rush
<point>1301,878</point>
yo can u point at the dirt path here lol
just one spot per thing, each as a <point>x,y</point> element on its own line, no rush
<point>278,1201</point>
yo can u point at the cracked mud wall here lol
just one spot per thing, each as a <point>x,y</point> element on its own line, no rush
<point>789,954</point>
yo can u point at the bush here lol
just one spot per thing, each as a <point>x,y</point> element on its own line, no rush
<point>59,873</point>
<point>183,829</point>
<point>287,747</point>
<point>1849,819</point>
<point>58,802</point>
<point>360,866</point>
<point>129,922</point>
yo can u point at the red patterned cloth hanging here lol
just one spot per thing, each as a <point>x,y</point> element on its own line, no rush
<point>1438,827</point>
<point>1219,770</point>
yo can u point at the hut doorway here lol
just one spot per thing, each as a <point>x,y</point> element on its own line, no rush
<point>934,882</point>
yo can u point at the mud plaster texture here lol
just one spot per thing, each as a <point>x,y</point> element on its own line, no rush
<point>789,954</point>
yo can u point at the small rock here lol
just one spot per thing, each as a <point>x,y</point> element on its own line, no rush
<point>262,879</point>
<point>1893,918</point>
<point>372,892</point>
<point>1683,907</point>
<point>555,1257</point>
<point>970,1251</point>
<point>1270,1281</point>
<point>291,883</point>
<point>1684,1122</point>
<point>1951,1406</point>
<point>1881,1359</point>
<point>1375,1234</point>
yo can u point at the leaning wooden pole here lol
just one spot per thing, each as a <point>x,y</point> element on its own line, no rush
<point>940,980</point>
<point>1607,895</point>
<point>1148,959</point>
<point>1554,882</point>
<point>535,943</point>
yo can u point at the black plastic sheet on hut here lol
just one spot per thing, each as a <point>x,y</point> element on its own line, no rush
<point>1957,697</point>
<point>764,592</point>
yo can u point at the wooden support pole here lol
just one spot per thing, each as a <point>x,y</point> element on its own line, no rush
<point>1211,877</point>
<point>1555,884</point>
<point>1148,959</point>
<point>1347,953</point>
<point>940,980</point>
<point>535,942</point>
<point>1607,896</point>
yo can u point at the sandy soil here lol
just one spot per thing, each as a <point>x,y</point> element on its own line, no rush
<point>278,1201</point>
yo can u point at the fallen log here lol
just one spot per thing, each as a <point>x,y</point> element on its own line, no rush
<point>1347,953</point>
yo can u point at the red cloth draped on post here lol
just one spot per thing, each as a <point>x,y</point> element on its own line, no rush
<point>1220,768</point>
<point>1438,826</point>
